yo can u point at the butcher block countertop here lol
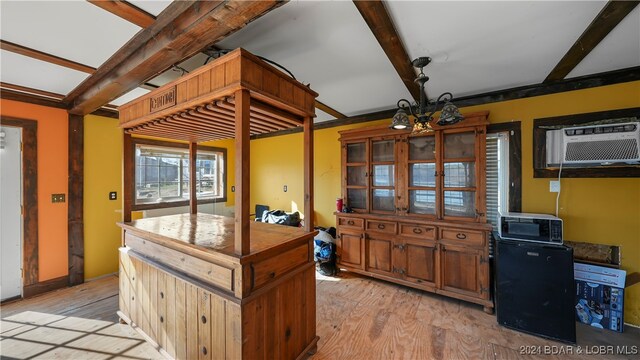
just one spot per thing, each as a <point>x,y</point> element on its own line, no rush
<point>214,235</point>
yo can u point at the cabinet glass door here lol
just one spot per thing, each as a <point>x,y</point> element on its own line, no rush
<point>422,175</point>
<point>459,175</point>
<point>356,176</point>
<point>383,175</point>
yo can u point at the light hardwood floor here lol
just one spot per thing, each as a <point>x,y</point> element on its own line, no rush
<point>358,318</point>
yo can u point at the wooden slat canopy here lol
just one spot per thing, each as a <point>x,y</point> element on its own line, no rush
<point>200,106</point>
<point>234,96</point>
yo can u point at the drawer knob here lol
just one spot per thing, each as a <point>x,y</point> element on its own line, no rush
<point>203,319</point>
<point>380,226</point>
<point>461,236</point>
<point>161,319</point>
<point>204,350</point>
<point>161,295</point>
<point>350,222</point>
<point>417,231</point>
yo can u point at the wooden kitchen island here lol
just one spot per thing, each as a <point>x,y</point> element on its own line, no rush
<point>202,286</point>
<point>184,287</point>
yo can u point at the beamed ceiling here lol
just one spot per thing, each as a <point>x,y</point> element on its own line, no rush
<point>83,55</point>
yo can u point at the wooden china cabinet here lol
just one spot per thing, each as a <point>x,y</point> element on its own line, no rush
<point>418,206</point>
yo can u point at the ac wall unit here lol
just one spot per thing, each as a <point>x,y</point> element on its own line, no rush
<point>594,145</point>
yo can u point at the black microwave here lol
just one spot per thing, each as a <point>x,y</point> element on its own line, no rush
<point>541,228</point>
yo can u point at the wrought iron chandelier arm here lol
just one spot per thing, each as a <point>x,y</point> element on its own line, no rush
<point>408,105</point>
<point>438,101</point>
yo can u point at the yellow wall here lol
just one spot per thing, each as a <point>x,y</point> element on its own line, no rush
<point>102,174</point>
<point>605,211</point>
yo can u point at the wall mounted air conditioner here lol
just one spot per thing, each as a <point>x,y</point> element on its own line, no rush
<point>594,145</point>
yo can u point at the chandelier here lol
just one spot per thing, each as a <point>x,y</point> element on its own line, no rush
<point>423,114</point>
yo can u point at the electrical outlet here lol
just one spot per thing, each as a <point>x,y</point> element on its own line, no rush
<point>57,198</point>
<point>113,195</point>
<point>554,186</point>
<point>284,188</point>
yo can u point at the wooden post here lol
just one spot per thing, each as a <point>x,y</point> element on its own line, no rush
<point>308,174</point>
<point>128,164</point>
<point>193,199</point>
<point>242,117</point>
<point>75,211</point>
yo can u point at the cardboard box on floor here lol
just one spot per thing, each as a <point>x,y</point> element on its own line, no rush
<point>600,296</point>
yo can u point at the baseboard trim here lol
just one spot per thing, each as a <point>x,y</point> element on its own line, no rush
<point>45,286</point>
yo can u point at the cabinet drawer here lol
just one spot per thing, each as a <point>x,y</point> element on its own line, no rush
<point>351,222</point>
<point>267,270</point>
<point>470,237</point>
<point>214,274</point>
<point>418,231</point>
<point>387,227</point>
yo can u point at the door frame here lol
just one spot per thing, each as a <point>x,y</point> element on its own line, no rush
<point>29,199</point>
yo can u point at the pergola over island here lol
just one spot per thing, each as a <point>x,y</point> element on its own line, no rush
<point>207,286</point>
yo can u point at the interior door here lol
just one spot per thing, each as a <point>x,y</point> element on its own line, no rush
<point>10,212</point>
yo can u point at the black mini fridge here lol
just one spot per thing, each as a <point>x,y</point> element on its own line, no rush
<point>535,289</point>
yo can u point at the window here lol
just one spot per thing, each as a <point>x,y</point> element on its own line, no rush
<point>497,175</point>
<point>504,169</point>
<point>162,174</point>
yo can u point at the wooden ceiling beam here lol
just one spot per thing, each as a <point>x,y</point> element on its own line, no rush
<point>608,18</point>
<point>377,17</point>
<point>39,55</point>
<point>180,31</point>
<point>127,11</point>
<point>329,110</point>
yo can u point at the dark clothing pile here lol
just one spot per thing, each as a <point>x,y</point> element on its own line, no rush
<point>324,251</point>
<point>280,217</point>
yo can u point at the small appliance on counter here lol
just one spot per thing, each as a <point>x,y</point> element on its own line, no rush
<point>541,228</point>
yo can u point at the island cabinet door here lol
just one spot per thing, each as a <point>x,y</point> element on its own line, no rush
<point>350,249</point>
<point>124,283</point>
<point>463,271</point>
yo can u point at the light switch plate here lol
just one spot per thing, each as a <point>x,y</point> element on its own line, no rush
<point>554,186</point>
<point>113,195</point>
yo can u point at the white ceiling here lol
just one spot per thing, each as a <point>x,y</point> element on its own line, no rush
<point>131,95</point>
<point>476,46</point>
<point>74,30</point>
<point>153,7</point>
<point>25,71</point>
<point>619,50</point>
<point>484,46</point>
<point>328,45</point>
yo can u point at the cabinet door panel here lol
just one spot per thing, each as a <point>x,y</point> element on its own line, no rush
<point>357,175</point>
<point>460,204</point>
<point>379,255</point>
<point>460,269</point>
<point>460,174</point>
<point>460,145</point>
<point>421,260</point>
<point>357,198</point>
<point>383,150</point>
<point>356,152</point>
<point>422,148</point>
<point>422,202</point>
<point>350,250</point>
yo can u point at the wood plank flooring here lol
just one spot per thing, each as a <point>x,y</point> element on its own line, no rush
<point>358,318</point>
